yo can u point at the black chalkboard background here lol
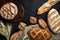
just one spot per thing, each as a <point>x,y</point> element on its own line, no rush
<point>30,7</point>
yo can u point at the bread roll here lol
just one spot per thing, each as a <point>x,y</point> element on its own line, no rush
<point>54,20</point>
<point>14,36</point>
<point>42,23</point>
<point>21,25</point>
<point>33,20</point>
<point>8,11</point>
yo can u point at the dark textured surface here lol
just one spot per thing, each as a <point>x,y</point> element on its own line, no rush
<point>30,7</point>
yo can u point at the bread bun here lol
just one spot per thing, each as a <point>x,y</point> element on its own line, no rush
<point>54,20</point>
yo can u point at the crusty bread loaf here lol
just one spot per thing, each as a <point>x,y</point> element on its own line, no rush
<point>46,6</point>
<point>54,20</point>
<point>39,34</point>
<point>8,11</point>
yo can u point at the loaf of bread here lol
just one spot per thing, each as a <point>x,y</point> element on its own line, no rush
<point>39,34</point>
<point>46,6</point>
<point>8,11</point>
<point>42,23</point>
<point>54,20</point>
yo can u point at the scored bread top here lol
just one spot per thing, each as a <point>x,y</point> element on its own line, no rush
<point>39,34</point>
<point>8,11</point>
<point>54,20</point>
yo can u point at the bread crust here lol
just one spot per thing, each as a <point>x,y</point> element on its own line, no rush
<point>21,25</point>
<point>46,6</point>
<point>8,10</point>
<point>42,23</point>
<point>33,20</point>
<point>54,20</point>
<point>39,34</point>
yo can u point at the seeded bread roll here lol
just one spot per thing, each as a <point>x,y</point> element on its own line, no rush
<point>14,36</point>
<point>39,34</point>
<point>42,23</point>
<point>21,25</point>
<point>33,20</point>
<point>8,11</point>
<point>46,6</point>
<point>54,20</point>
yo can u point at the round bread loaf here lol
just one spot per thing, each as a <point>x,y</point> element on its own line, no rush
<point>8,11</point>
<point>54,20</point>
<point>39,34</point>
